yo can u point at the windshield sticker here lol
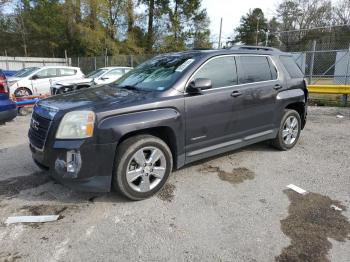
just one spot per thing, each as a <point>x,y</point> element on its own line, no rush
<point>184,65</point>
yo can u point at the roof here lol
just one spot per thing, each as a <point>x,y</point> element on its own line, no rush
<point>116,67</point>
<point>55,66</point>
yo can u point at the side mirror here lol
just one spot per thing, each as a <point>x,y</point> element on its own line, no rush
<point>35,77</point>
<point>196,86</point>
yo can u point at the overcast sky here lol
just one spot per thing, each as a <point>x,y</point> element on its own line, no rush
<point>231,12</point>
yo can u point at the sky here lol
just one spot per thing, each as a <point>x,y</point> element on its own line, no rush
<point>231,12</point>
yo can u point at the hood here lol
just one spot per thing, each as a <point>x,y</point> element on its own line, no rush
<point>70,82</point>
<point>12,79</point>
<point>94,99</point>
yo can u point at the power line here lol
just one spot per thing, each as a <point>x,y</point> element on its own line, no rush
<point>307,29</point>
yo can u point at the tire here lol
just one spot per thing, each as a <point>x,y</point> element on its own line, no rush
<point>142,180</point>
<point>288,134</point>
<point>22,91</point>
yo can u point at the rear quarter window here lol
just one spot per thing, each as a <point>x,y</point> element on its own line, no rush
<point>291,66</point>
<point>67,72</point>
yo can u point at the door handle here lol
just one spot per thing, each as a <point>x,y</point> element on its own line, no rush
<point>277,87</point>
<point>236,93</point>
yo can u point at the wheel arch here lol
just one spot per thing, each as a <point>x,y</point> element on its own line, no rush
<point>164,133</point>
<point>300,108</point>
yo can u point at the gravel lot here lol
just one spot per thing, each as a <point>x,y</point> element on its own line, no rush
<point>234,207</point>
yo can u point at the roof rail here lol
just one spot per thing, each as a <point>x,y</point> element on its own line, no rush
<point>252,47</point>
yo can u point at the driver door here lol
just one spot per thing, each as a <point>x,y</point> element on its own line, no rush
<point>209,115</point>
<point>41,84</point>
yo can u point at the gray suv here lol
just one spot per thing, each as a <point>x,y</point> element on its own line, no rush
<point>170,111</point>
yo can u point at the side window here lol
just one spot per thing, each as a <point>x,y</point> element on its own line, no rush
<point>221,71</point>
<point>114,73</point>
<point>67,71</point>
<point>253,69</point>
<point>291,67</point>
<point>47,73</point>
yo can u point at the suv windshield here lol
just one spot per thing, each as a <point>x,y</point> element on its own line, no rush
<point>96,73</point>
<point>157,74</point>
<point>25,71</point>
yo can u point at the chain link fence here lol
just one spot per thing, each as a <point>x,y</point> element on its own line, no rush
<point>89,64</point>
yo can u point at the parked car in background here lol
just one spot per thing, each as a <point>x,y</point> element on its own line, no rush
<point>170,111</point>
<point>3,81</point>
<point>8,109</point>
<point>37,81</point>
<point>101,76</point>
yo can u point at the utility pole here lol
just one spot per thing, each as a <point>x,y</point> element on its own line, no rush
<point>219,44</point>
<point>257,30</point>
<point>267,37</point>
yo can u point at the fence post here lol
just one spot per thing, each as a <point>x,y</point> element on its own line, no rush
<point>78,61</point>
<point>312,61</point>
<point>66,57</point>
<point>106,53</point>
<point>95,63</point>
<point>131,60</point>
<point>344,98</point>
<point>6,61</point>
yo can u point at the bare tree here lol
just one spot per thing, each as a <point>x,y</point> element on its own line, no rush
<point>342,12</point>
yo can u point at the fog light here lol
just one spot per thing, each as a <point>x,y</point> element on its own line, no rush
<point>73,162</point>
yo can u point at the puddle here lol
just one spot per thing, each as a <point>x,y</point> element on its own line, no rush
<point>237,176</point>
<point>12,186</point>
<point>310,223</point>
<point>8,257</point>
<point>167,192</point>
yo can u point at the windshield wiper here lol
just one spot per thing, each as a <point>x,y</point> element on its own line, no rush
<point>129,87</point>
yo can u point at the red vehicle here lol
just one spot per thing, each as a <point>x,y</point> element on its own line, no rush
<point>3,82</point>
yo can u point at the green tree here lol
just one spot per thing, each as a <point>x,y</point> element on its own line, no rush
<point>253,27</point>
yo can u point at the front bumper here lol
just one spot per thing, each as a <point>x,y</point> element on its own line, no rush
<point>81,165</point>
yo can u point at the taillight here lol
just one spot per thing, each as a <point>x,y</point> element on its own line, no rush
<point>3,88</point>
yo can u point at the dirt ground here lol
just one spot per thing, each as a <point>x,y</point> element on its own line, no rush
<point>234,207</point>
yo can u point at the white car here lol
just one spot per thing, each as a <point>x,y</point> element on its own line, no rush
<point>101,76</point>
<point>38,81</point>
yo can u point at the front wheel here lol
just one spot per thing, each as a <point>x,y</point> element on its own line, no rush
<point>143,164</point>
<point>22,91</point>
<point>289,132</point>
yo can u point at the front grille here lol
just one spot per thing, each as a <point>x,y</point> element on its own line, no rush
<point>39,128</point>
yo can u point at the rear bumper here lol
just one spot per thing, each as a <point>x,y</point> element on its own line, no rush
<point>8,115</point>
<point>93,164</point>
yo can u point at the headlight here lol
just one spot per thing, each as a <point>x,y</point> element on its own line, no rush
<point>76,124</point>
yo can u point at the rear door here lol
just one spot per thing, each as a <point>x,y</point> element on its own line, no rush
<point>254,105</point>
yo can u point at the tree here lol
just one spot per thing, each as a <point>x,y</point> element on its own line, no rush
<point>294,15</point>
<point>253,27</point>
<point>187,21</point>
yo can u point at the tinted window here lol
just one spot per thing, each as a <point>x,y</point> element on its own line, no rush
<point>46,73</point>
<point>291,67</point>
<point>67,72</point>
<point>253,69</point>
<point>221,71</point>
